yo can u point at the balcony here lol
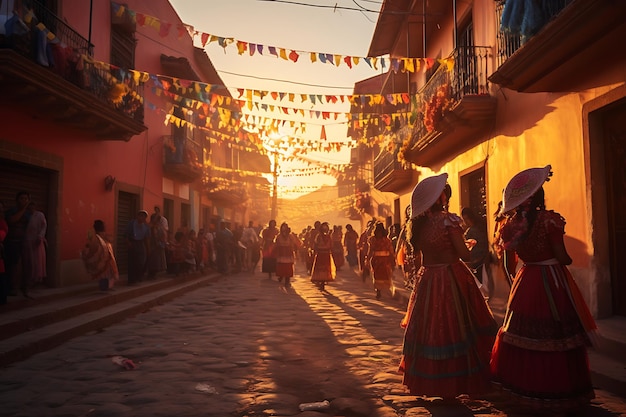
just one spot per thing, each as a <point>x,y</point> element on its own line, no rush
<point>390,175</point>
<point>575,49</point>
<point>60,82</point>
<point>182,158</point>
<point>456,109</point>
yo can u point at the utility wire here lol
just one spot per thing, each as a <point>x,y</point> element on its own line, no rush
<point>286,81</point>
<point>354,9</point>
<point>321,6</point>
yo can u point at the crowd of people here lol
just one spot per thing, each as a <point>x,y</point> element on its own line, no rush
<point>452,344</point>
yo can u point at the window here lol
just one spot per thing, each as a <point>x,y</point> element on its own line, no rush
<point>123,40</point>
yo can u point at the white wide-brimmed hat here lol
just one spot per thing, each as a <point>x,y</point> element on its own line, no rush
<point>426,193</point>
<point>523,186</point>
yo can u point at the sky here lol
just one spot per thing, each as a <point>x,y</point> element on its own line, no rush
<point>324,26</point>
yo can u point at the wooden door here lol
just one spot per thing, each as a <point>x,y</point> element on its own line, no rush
<point>615,145</point>
<point>127,208</point>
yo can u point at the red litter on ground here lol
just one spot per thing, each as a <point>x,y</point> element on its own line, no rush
<point>124,362</point>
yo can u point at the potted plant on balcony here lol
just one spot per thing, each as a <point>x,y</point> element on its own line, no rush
<point>436,108</point>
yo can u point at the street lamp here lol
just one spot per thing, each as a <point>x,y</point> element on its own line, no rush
<point>274,187</point>
<point>276,141</point>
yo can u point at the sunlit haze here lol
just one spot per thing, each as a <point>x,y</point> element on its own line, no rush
<point>315,26</point>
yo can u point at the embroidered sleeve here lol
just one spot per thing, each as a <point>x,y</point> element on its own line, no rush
<point>555,226</point>
<point>453,223</point>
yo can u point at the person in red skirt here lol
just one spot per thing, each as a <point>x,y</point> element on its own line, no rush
<point>540,354</point>
<point>449,329</point>
<point>382,259</point>
<point>286,245</point>
<point>323,264</point>
<point>268,234</point>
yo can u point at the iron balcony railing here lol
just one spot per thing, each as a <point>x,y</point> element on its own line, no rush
<point>469,76</point>
<point>386,163</point>
<point>510,39</point>
<point>69,55</point>
<point>61,30</point>
<point>446,88</point>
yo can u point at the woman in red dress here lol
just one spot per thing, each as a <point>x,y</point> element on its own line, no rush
<point>540,353</point>
<point>285,246</point>
<point>382,259</point>
<point>268,264</point>
<point>449,327</point>
<point>323,264</point>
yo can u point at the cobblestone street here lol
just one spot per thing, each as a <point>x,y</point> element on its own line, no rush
<point>242,346</point>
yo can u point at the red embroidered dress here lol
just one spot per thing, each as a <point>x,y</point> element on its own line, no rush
<point>284,250</point>
<point>540,353</point>
<point>323,265</point>
<point>449,327</point>
<point>382,261</point>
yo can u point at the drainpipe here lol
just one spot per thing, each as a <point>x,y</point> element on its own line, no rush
<point>424,28</point>
<point>455,24</point>
<point>90,21</point>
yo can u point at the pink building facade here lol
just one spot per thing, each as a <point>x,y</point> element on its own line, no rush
<point>89,140</point>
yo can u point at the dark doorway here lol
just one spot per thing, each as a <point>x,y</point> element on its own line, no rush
<point>474,191</point>
<point>614,129</point>
<point>127,208</point>
<point>41,184</point>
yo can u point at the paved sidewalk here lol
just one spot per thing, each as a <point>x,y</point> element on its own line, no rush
<point>242,345</point>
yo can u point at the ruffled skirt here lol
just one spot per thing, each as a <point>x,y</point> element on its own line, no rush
<point>540,353</point>
<point>449,334</point>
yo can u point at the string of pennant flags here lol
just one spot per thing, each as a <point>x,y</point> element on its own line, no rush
<point>230,109</point>
<point>205,97</point>
<point>403,64</point>
<point>206,92</point>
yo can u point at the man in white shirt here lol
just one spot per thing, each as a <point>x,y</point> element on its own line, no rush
<point>163,220</point>
<point>250,240</point>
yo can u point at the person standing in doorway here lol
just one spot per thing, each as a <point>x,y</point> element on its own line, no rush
<point>157,261</point>
<point>162,219</point>
<point>17,219</point>
<point>34,248</point>
<point>138,237</point>
<point>540,354</point>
